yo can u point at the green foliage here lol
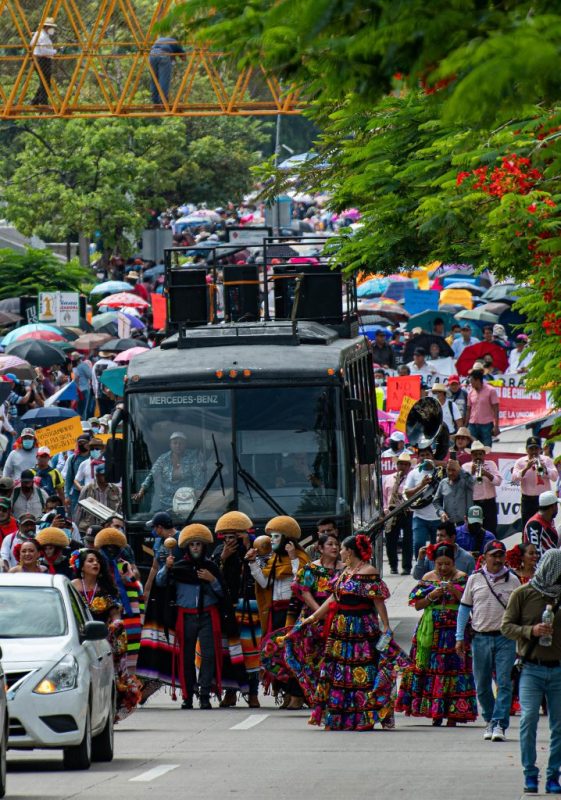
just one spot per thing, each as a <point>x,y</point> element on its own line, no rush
<point>39,271</point>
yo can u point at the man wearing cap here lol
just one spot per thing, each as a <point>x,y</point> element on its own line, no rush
<point>486,479</point>
<point>461,442</point>
<point>472,535</point>
<point>6,488</point>
<point>454,494</point>
<point>27,497</point>
<point>535,474</point>
<point>451,414</point>
<point>482,409</point>
<point>109,494</point>
<point>43,53</point>
<point>392,492</point>
<point>396,445</point>
<point>485,599</point>
<point>540,530</point>
<point>382,352</point>
<point>457,394</point>
<point>516,361</point>
<point>27,526</point>
<point>419,364</point>
<point>86,471</point>
<point>463,560</point>
<point>23,456</point>
<point>173,470</point>
<point>82,375</point>
<point>8,524</point>
<point>465,340</point>
<point>50,479</point>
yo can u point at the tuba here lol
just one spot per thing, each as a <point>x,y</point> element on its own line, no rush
<point>426,430</point>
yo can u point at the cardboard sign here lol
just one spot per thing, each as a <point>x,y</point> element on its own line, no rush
<point>61,436</point>
<point>417,300</point>
<point>398,388</point>
<point>406,406</point>
<point>159,311</point>
<point>123,325</point>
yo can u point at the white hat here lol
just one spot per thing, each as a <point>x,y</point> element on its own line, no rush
<point>403,456</point>
<point>397,436</point>
<point>548,499</point>
<point>477,445</point>
<point>439,387</point>
<point>177,435</point>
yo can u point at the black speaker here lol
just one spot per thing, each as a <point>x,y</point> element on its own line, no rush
<point>320,295</point>
<point>241,293</point>
<point>28,308</point>
<point>188,297</point>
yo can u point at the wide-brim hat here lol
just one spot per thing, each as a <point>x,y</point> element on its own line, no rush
<point>195,533</point>
<point>49,23</point>
<point>462,432</point>
<point>403,456</point>
<point>233,521</point>
<point>108,537</point>
<point>287,526</point>
<point>439,387</point>
<point>477,445</point>
<point>53,536</point>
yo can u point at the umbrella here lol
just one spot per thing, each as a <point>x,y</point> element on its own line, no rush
<point>451,308</point>
<point>48,416</point>
<point>373,287</point>
<point>125,356</point>
<point>10,304</point>
<point>425,340</point>
<point>370,331</point>
<point>387,309</point>
<point>103,319</point>
<point>70,334</point>
<point>12,336</point>
<point>494,308</point>
<point>154,272</point>
<point>111,287</point>
<point>39,354</point>
<point>6,318</point>
<point>500,293</point>
<point>511,318</point>
<point>475,352</point>
<point>68,392</point>
<point>20,368</point>
<point>120,345</point>
<point>426,319</point>
<point>43,336</point>
<point>397,288</point>
<point>471,287</point>
<point>91,341</point>
<point>123,299</point>
<point>373,319</point>
<point>477,315</point>
<point>114,379</point>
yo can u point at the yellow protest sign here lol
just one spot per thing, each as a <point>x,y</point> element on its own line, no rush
<point>406,405</point>
<point>61,436</point>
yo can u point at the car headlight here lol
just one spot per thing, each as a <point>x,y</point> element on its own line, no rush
<point>62,677</point>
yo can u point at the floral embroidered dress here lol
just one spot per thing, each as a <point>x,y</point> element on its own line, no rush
<point>440,684</point>
<point>357,683</point>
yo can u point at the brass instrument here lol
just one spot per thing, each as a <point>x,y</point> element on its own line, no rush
<point>539,466</point>
<point>479,472</point>
<point>394,500</point>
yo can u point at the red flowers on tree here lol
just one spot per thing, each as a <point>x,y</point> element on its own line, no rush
<point>514,175</point>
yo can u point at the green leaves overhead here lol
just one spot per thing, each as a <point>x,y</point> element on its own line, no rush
<point>38,271</point>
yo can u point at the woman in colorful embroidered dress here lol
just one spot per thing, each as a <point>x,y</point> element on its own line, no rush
<point>100,594</point>
<point>440,684</point>
<point>356,685</point>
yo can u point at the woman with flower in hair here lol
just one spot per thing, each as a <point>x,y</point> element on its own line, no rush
<point>28,554</point>
<point>523,560</point>
<point>100,594</point>
<point>356,685</point>
<point>439,684</point>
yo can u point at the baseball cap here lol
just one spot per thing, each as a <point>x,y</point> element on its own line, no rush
<point>397,436</point>
<point>177,435</point>
<point>43,451</point>
<point>453,379</point>
<point>6,484</point>
<point>86,426</point>
<point>27,518</point>
<point>475,514</point>
<point>533,441</point>
<point>99,468</point>
<point>419,351</point>
<point>161,518</point>
<point>5,503</point>
<point>27,475</point>
<point>547,499</point>
<point>494,547</point>
<point>522,337</point>
<point>27,432</point>
<point>466,326</point>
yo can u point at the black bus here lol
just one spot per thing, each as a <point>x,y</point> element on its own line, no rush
<point>268,417</point>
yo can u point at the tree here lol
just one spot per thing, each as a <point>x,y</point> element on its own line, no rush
<point>39,271</point>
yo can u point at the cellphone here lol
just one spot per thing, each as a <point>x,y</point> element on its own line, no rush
<point>60,511</point>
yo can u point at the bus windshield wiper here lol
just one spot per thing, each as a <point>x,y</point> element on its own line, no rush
<point>219,466</point>
<point>253,483</point>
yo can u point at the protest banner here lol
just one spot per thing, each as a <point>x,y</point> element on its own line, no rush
<point>398,388</point>
<point>519,406</point>
<point>406,405</point>
<point>60,436</point>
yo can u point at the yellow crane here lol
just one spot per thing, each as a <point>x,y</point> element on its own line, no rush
<point>105,58</point>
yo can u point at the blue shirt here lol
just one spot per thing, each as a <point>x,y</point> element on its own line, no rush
<point>166,45</point>
<point>466,539</point>
<point>82,376</point>
<point>187,594</point>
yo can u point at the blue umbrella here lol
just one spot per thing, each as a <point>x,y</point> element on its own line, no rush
<point>48,416</point>
<point>111,287</point>
<point>373,287</point>
<point>12,336</point>
<point>114,379</point>
<point>153,272</point>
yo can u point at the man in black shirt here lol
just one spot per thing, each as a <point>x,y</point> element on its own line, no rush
<point>382,353</point>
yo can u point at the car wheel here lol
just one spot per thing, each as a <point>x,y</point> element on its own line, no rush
<point>80,756</point>
<point>3,748</point>
<point>102,744</point>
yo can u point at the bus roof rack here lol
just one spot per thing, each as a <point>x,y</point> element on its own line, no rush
<point>243,333</point>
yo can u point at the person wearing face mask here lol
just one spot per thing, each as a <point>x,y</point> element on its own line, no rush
<point>472,535</point>
<point>80,454</point>
<point>49,478</point>
<point>28,498</point>
<point>86,471</point>
<point>23,455</point>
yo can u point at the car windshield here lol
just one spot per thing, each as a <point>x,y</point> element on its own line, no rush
<point>273,448</point>
<point>28,612</point>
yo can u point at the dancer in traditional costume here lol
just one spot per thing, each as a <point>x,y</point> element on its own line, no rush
<point>440,683</point>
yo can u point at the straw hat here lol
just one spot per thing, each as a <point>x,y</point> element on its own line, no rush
<point>462,432</point>
<point>439,387</point>
<point>52,536</point>
<point>110,536</point>
<point>49,23</point>
<point>285,525</point>
<point>477,445</point>
<point>195,533</point>
<point>233,521</point>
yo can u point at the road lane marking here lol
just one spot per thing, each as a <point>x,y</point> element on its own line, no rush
<point>152,774</point>
<point>250,722</point>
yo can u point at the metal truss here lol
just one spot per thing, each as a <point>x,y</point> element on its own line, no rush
<point>102,67</point>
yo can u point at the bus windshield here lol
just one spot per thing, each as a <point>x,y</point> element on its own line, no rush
<point>263,451</point>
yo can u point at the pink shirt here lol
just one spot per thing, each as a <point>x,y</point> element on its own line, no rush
<point>533,484</point>
<point>388,483</point>
<point>486,489</point>
<point>481,405</point>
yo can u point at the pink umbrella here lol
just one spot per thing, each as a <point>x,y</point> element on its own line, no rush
<point>122,299</point>
<point>44,336</point>
<point>21,368</point>
<point>126,355</point>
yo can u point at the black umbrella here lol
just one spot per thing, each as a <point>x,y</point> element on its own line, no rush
<point>11,305</point>
<point>374,319</point>
<point>425,340</point>
<point>119,345</point>
<point>85,325</point>
<point>37,353</point>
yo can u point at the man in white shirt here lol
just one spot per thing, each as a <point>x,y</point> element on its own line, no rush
<point>43,53</point>
<point>425,519</point>
<point>516,361</point>
<point>465,340</point>
<point>451,414</point>
<point>419,365</point>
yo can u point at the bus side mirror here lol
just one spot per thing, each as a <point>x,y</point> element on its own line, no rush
<point>365,441</point>
<point>114,460</point>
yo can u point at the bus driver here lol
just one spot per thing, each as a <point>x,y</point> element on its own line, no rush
<point>173,470</point>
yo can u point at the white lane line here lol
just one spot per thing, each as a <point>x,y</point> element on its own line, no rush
<point>250,722</point>
<point>152,774</point>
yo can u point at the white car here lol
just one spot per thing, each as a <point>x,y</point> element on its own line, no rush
<point>3,731</point>
<point>59,670</point>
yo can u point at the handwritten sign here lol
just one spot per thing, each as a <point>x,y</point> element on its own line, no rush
<point>398,388</point>
<point>417,300</point>
<point>406,405</point>
<point>61,436</point>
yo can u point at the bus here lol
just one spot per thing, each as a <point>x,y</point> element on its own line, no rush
<point>271,416</point>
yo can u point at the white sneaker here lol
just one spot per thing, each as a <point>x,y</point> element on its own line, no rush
<point>488,731</point>
<point>498,734</point>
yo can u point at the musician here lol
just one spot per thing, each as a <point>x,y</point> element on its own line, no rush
<point>535,474</point>
<point>425,518</point>
<point>487,477</point>
<point>392,492</point>
<point>446,533</point>
<point>540,530</point>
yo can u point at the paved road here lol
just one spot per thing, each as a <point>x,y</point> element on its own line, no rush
<point>163,752</point>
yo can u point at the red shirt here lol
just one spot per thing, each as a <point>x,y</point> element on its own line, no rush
<point>10,526</point>
<point>541,533</point>
<point>141,291</point>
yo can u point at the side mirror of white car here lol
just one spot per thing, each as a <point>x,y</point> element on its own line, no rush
<point>94,631</point>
